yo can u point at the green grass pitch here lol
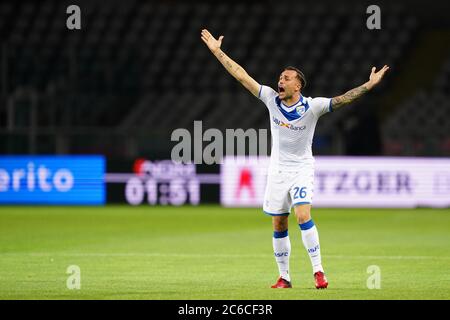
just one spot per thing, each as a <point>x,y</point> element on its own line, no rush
<point>209,252</point>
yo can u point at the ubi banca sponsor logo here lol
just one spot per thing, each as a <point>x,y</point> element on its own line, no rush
<point>34,178</point>
<point>287,125</point>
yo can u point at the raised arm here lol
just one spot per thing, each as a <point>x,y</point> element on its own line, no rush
<point>232,67</point>
<point>349,96</point>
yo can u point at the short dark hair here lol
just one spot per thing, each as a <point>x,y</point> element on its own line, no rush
<point>300,76</point>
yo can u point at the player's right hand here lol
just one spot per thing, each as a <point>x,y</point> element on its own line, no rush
<point>212,43</point>
<point>375,77</point>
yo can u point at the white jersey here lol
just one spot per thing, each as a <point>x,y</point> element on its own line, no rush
<point>292,128</point>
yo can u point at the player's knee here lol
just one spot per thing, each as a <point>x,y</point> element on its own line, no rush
<point>303,218</point>
<point>303,214</point>
<point>280,223</point>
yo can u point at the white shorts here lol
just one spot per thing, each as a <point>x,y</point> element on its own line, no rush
<point>286,189</point>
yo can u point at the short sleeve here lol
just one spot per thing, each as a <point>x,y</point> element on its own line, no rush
<point>320,106</point>
<point>266,94</point>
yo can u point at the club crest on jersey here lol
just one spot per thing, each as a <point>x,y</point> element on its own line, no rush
<point>300,110</point>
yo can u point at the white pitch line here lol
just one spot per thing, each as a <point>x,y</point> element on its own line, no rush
<point>389,257</point>
<point>203,255</point>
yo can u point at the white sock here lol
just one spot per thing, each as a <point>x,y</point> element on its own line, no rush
<point>282,251</point>
<point>310,238</point>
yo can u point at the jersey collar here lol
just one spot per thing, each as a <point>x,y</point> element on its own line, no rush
<point>294,112</point>
<point>289,108</point>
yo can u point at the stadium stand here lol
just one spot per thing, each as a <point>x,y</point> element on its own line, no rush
<point>420,125</point>
<point>138,68</point>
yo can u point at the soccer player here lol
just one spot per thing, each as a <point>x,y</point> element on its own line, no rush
<point>293,118</point>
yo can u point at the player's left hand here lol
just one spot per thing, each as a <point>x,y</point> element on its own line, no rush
<point>375,77</point>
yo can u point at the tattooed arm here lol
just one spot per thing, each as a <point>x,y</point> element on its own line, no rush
<point>232,67</point>
<point>349,96</point>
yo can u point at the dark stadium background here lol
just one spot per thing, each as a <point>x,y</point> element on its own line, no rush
<point>137,70</point>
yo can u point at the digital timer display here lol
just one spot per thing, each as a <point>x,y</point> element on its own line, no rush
<point>163,182</point>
